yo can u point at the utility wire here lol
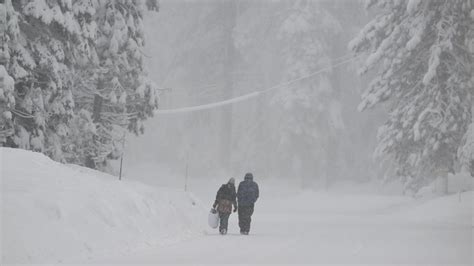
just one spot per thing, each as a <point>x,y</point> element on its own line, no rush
<point>256,93</point>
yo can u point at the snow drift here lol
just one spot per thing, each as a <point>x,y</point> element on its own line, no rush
<point>62,213</point>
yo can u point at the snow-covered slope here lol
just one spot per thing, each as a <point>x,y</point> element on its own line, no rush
<point>60,213</point>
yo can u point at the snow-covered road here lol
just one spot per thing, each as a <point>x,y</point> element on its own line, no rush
<point>55,213</point>
<point>349,231</point>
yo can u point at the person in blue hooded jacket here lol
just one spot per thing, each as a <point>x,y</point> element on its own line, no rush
<point>247,195</point>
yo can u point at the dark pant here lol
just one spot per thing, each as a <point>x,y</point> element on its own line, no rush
<point>245,217</point>
<point>224,219</point>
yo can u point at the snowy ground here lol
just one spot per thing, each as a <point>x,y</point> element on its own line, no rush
<point>329,229</point>
<point>63,213</point>
<point>56,213</point>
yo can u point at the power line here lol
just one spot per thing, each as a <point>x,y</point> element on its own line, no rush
<point>208,106</point>
<point>312,74</point>
<point>256,93</point>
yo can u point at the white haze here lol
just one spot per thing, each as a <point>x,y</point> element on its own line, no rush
<point>182,52</point>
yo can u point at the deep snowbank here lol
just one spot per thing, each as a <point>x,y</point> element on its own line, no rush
<point>58,213</point>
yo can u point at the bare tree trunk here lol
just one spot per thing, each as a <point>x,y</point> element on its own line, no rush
<point>97,108</point>
<point>471,163</point>
<point>96,116</point>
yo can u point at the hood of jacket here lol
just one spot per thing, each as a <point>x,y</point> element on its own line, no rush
<point>248,176</point>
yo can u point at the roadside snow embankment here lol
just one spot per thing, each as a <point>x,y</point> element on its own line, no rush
<point>346,206</point>
<point>456,209</point>
<point>61,213</point>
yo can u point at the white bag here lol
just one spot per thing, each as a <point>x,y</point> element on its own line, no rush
<point>213,218</point>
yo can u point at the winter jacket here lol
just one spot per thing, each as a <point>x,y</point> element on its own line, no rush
<point>248,193</point>
<point>225,198</point>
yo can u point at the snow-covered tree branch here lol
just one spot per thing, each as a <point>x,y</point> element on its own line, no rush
<point>422,53</point>
<point>62,59</point>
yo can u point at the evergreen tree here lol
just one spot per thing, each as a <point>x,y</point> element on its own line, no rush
<point>7,100</point>
<point>311,120</point>
<point>7,83</point>
<point>419,51</point>
<point>73,77</point>
<point>466,151</point>
<point>44,40</point>
<point>115,93</point>
<point>283,41</point>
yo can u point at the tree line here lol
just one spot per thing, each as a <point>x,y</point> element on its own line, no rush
<point>74,79</point>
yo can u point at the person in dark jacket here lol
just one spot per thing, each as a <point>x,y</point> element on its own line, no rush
<point>247,195</point>
<point>225,199</point>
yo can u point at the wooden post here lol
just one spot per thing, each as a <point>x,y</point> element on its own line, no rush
<point>121,161</point>
<point>121,157</point>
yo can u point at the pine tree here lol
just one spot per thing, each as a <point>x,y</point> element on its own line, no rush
<point>466,150</point>
<point>7,83</point>
<point>121,96</point>
<point>281,41</point>
<point>7,100</point>
<point>310,110</point>
<point>307,114</point>
<point>419,51</point>
<point>44,40</point>
<point>75,79</point>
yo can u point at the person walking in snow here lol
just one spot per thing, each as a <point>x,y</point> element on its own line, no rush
<point>247,195</point>
<point>225,199</point>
